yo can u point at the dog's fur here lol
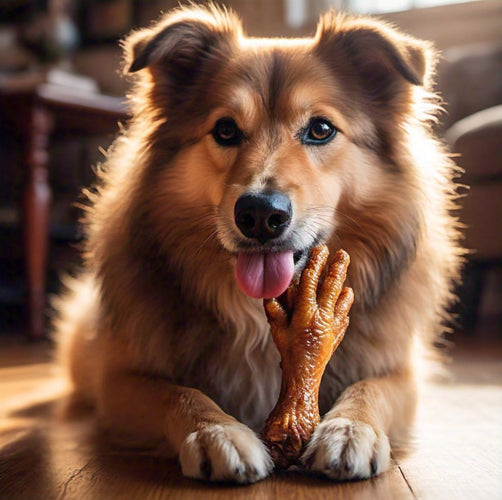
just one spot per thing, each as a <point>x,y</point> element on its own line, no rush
<point>156,333</point>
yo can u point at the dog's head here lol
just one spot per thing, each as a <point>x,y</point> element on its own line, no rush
<point>284,143</point>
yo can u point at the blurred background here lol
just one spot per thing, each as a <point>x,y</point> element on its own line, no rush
<point>61,97</point>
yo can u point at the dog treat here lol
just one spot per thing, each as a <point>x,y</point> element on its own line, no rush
<point>307,324</point>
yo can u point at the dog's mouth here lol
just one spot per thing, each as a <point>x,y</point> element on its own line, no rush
<point>267,274</point>
<point>271,247</point>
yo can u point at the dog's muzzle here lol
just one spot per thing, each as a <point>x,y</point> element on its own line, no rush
<point>263,217</point>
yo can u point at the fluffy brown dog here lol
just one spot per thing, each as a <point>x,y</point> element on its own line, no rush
<point>241,155</point>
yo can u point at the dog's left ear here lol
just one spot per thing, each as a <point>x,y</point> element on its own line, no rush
<point>378,53</point>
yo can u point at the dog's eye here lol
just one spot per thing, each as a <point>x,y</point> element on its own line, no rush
<point>318,131</point>
<point>227,133</point>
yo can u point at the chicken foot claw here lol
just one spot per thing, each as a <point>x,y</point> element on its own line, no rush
<point>307,324</point>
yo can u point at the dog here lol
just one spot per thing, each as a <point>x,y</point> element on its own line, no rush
<point>240,156</point>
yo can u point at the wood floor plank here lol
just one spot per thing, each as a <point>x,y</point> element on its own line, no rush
<point>63,460</point>
<point>458,443</point>
<point>458,455</point>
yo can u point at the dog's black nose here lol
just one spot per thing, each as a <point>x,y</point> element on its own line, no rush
<point>263,216</point>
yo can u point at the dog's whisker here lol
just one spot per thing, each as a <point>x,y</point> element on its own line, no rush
<point>208,238</point>
<point>325,214</point>
<point>356,223</point>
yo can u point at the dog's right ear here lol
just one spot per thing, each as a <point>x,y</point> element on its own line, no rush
<point>181,40</point>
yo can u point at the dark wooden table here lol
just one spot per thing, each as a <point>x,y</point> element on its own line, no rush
<point>36,112</point>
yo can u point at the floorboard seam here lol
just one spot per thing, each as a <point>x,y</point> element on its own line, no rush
<point>75,474</point>
<point>406,481</point>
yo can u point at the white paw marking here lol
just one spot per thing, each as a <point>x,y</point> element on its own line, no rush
<point>225,452</point>
<point>344,449</point>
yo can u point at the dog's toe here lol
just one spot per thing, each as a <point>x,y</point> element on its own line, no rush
<point>225,452</point>
<point>343,449</point>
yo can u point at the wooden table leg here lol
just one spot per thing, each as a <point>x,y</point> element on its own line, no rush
<point>37,199</point>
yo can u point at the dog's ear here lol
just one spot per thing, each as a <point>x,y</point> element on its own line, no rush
<point>377,52</point>
<point>181,40</point>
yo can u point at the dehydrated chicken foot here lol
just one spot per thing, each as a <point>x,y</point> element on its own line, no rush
<point>307,325</point>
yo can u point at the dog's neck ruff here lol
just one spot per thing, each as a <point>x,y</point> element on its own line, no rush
<point>238,314</point>
<point>244,318</point>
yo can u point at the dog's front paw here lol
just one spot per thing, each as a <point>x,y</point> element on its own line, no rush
<point>344,449</point>
<point>225,452</point>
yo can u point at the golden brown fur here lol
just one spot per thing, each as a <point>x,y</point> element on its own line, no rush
<point>156,328</point>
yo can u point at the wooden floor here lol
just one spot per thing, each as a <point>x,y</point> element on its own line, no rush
<point>458,444</point>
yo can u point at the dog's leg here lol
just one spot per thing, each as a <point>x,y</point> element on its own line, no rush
<point>147,411</point>
<point>352,441</point>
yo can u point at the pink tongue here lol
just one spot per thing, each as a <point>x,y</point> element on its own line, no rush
<point>264,275</point>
